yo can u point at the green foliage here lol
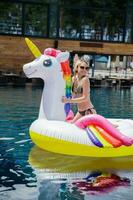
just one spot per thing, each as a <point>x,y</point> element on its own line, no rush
<point>96,3</point>
<point>93,13</point>
<point>9,10</point>
<point>34,20</point>
<point>74,15</point>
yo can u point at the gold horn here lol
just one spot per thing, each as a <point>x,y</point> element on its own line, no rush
<point>33,48</point>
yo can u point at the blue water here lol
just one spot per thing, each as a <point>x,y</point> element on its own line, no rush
<point>27,172</point>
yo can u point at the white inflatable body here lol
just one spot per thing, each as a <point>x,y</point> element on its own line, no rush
<point>62,137</point>
<point>50,131</point>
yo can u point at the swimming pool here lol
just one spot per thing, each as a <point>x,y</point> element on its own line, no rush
<point>27,172</point>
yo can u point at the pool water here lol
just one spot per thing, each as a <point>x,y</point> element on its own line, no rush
<point>27,172</point>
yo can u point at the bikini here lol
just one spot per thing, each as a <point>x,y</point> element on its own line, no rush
<point>78,89</point>
<point>87,112</point>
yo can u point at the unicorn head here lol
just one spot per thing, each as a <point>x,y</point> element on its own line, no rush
<point>48,66</point>
<point>45,66</point>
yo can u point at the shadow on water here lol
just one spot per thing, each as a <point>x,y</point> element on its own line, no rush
<point>40,159</point>
<point>78,176</point>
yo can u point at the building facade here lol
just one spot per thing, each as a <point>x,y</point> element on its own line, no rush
<point>83,21</point>
<point>94,27</point>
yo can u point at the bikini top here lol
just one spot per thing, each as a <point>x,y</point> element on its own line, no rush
<point>77,87</point>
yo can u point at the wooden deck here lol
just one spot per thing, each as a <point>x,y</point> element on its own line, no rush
<point>14,52</point>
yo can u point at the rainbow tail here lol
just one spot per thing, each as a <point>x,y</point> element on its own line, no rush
<point>101,132</point>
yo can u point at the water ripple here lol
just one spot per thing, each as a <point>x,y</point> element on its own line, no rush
<point>20,180</point>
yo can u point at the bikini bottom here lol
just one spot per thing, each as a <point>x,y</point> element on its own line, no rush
<point>87,112</point>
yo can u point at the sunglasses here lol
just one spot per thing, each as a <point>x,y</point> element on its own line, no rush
<point>82,67</point>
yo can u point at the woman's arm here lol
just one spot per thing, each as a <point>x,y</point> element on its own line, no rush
<point>84,97</point>
<point>73,82</point>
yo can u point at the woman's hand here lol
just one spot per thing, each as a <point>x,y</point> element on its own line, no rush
<point>65,100</point>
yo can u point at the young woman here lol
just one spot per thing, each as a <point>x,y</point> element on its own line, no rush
<point>81,90</point>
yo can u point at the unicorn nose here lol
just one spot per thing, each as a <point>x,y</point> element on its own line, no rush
<point>26,69</point>
<point>26,66</point>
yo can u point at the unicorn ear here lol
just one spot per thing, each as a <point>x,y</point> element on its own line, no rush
<point>62,56</point>
<point>76,58</point>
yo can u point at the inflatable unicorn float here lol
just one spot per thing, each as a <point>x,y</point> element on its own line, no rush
<point>92,135</point>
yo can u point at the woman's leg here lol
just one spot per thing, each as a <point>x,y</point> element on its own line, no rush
<point>93,111</point>
<point>76,117</point>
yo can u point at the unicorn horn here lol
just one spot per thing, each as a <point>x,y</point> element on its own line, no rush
<point>33,48</point>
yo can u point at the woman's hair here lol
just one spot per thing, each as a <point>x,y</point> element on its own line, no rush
<point>76,64</point>
<point>86,59</point>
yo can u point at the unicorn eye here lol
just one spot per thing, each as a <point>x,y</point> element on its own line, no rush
<point>47,62</point>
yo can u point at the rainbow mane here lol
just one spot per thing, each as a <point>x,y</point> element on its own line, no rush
<point>67,77</point>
